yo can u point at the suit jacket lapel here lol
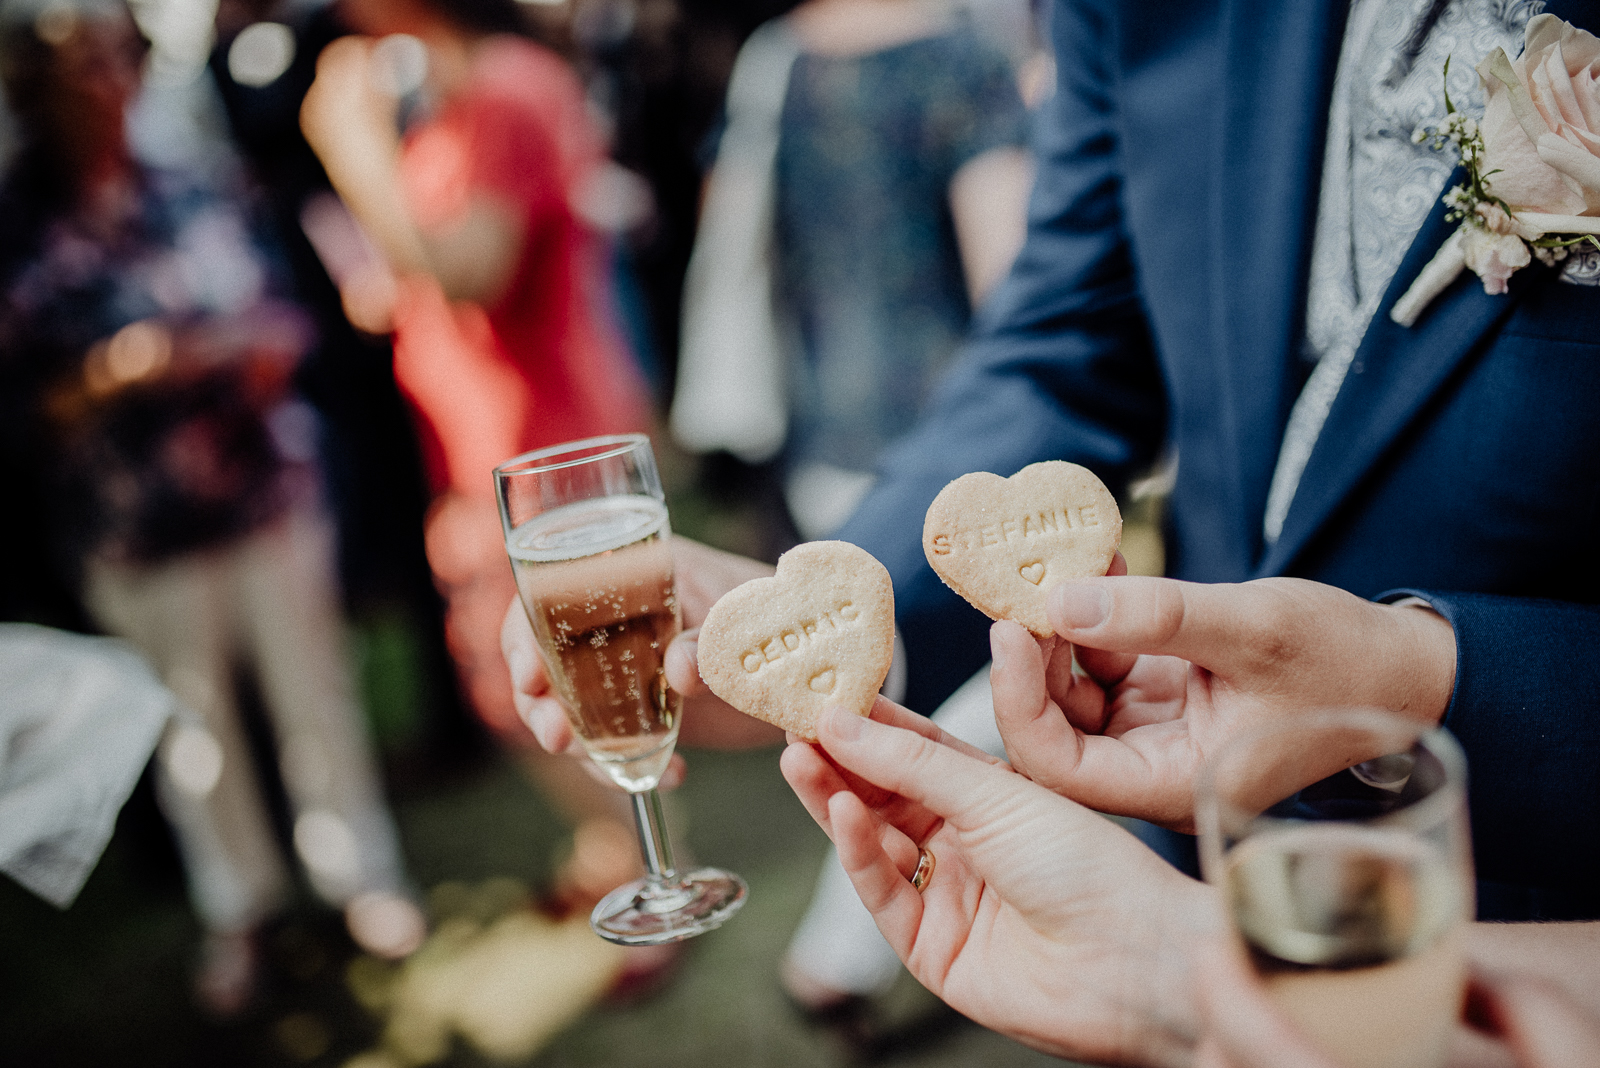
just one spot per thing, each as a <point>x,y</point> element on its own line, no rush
<point>1395,371</point>
<point>1280,66</point>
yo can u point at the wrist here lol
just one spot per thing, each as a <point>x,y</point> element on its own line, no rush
<point>1429,664</point>
<point>1193,918</point>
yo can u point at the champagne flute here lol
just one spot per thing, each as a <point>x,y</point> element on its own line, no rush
<point>1350,894</point>
<point>586,529</point>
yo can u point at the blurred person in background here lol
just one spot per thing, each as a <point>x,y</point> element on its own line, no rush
<point>262,65</point>
<point>869,190</point>
<point>146,359</point>
<point>491,281</point>
<point>493,276</point>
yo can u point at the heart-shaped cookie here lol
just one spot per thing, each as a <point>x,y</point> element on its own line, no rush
<point>1003,542</point>
<point>819,632</point>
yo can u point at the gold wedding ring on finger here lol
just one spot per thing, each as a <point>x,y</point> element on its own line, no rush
<point>924,873</point>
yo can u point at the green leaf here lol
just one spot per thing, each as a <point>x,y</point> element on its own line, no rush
<point>1551,241</point>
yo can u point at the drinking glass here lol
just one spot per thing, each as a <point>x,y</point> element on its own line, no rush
<point>586,529</point>
<point>1351,893</point>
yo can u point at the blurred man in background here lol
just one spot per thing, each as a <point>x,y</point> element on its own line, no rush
<point>147,354</point>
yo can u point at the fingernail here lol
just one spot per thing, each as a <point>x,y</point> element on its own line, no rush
<point>846,725</point>
<point>1079,606</point>
<point>543,728</point>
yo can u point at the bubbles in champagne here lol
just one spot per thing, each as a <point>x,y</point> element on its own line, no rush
<point>596,579</point>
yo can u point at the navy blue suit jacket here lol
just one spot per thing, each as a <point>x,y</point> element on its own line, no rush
<point>1159,302</point>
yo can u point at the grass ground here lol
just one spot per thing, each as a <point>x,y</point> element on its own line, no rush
<point>106,982</point>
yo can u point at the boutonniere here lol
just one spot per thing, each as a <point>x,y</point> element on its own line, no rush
<point>1533,164</point>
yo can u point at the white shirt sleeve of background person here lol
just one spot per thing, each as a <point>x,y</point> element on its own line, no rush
<point>79,718</point>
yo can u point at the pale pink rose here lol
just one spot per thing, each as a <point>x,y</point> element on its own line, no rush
<point>1494,257</point>
<point>1541,122</point>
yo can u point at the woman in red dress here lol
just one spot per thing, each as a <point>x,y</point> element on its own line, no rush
<point>491,279</point>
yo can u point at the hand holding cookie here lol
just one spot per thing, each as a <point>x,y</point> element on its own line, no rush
<point>1002,543</point>
<point>1172,670</point>
<point>820,632</point>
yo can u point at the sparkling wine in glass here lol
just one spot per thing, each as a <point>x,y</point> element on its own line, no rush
<point>586,529</point>
<point>1351,894</point>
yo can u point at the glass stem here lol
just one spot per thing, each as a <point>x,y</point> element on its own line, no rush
<point>653,842</point>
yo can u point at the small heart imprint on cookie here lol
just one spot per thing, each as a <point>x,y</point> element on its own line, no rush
<point>1033,572</point>
<point>824,682</point>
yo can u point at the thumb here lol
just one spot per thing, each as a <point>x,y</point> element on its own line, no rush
<point>682,664</point>
<point>1218,627</point>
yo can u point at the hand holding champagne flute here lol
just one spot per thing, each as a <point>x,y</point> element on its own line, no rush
<point>587,532</point>
<point>1351,896</point>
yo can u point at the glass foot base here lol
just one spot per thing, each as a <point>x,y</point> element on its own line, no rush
<point>648,913</point>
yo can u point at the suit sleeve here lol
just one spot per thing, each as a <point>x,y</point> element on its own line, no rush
<point>1060,365</point>
<point>1526,710</point>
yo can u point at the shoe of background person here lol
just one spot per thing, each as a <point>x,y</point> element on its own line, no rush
<point>387,925</point>
<point>870,1029</point>
<point>227,978</point>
